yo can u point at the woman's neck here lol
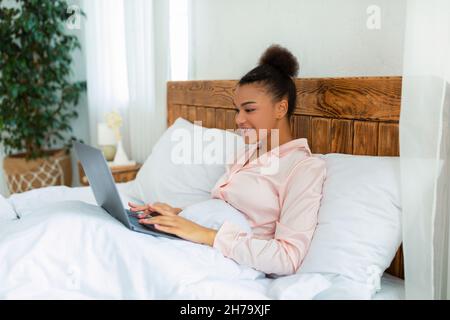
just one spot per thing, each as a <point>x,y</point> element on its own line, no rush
<point>284,136</point>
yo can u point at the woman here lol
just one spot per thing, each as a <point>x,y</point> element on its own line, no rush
<point>282,206</point>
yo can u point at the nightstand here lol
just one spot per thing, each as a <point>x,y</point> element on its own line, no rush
<point>120,174</point>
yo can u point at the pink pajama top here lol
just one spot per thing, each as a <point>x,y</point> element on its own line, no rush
<point>279,193</point>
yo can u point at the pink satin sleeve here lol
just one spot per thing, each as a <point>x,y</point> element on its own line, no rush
<point>301,195</point>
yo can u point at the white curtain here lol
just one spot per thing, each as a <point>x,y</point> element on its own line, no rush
<point>121,50</point>
<point>425,149</point>
<point>140,44</point>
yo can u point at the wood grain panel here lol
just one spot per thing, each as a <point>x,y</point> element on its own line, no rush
<point>365,138</point>
<point>201,116</point>
<point>230,117</point>
<point>184,112</point>
<point>388,139</point>
<point>170,115</point>
<point>321,135</point>
<point>366,98</point>
<point>362,98</point>
<point>342,136</point>
<point>210,93</point>
<point>192,113</point>
<point>294,126</point>
<point>302,127</point>
<point>220,119</point>
<point>174,113</point>
<point>210,118</point>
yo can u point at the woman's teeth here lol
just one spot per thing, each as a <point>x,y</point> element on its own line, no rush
<point>246,131</point>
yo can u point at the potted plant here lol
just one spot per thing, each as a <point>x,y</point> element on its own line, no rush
<point>37,99</point>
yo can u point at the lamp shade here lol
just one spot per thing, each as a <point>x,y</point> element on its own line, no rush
<point>105,135</point>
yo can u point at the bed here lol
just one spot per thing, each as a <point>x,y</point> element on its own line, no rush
<point>63,246</point>
<point>357,116</point>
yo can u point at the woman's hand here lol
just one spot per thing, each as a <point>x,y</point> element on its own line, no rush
<point>181,227</point>
<point>148,209</point>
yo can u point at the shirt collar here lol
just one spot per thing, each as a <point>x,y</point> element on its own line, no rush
<point>285,148</point>
<point>280,151</point>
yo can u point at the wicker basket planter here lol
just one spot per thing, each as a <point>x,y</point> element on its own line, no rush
<point>22,175</point>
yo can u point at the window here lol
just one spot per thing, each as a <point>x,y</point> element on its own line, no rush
<point>179,39</point>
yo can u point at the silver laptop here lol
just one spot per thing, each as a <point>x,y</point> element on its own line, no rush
<point>105,191</point>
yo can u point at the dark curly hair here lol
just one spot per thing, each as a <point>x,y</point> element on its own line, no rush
<point>276,70</point>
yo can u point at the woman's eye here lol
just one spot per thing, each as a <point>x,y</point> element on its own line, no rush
<point>246,110</point>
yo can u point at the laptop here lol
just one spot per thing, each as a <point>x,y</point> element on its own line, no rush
<point>105,191</point>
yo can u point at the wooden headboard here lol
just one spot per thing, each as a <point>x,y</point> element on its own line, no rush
<point>357,116</point>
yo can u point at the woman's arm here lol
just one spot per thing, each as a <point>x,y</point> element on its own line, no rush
<point>284,253</point>
<point>169,221</point>
<point>182,227</point>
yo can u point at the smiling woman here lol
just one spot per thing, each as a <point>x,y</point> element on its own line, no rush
<point>281,205</point>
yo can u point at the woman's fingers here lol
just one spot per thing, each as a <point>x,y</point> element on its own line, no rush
<point>143,215</point>
<point>136,207</point>
<point>161,220</point>
<point>166,224</point>
<point>162,209</point>
<point>146,209</point>
<point>159,207</point>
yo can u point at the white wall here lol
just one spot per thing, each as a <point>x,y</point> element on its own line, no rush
<point>329,37</point>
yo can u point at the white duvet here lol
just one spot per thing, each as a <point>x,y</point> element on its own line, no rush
<point>65,247</point>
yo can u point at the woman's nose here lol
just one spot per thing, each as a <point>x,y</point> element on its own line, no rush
<point>240,118</point>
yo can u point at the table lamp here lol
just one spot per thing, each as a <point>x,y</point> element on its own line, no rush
<point>106,141</point>
<point>114,122</point>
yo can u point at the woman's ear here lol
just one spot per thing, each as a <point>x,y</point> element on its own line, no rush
<point>282,109</point>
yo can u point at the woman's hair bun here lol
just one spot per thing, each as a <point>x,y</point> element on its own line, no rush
<point>281,59</point>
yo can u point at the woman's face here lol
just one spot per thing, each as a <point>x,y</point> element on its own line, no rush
<point>255,110</point>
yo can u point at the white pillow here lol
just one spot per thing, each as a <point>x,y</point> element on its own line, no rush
<point>359,222</point>
<point>6,210</point>
<point>163,178</point>
<point>212,214</point>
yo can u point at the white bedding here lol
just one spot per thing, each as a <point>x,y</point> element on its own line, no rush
<point>392,288</point>
<point>65,247</point>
